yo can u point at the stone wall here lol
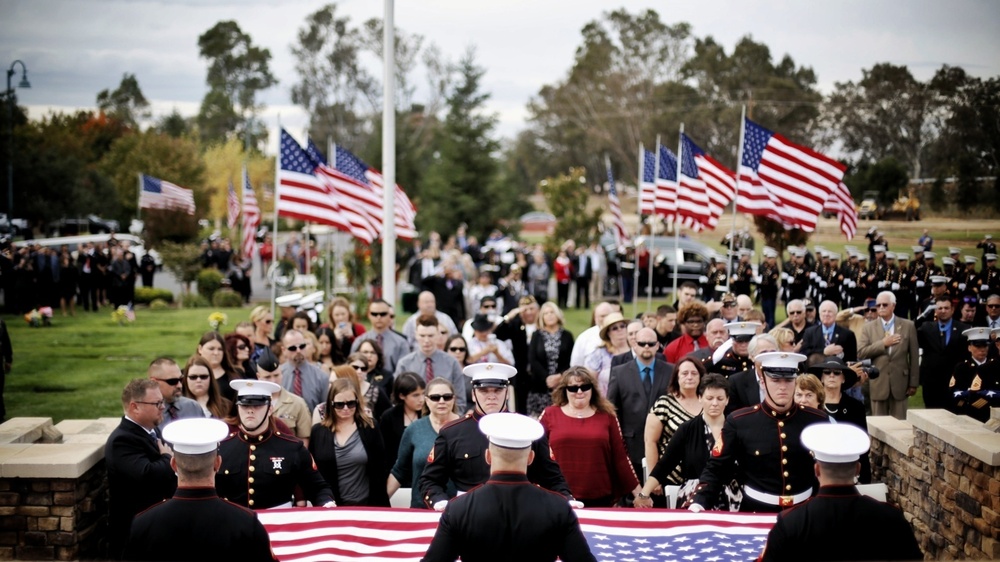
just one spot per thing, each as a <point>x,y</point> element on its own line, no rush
<point>53,488</point>
<point>943,471</point>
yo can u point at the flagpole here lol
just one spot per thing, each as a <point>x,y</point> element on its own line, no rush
<point>677,223</point>
<point>642,172</point>
<point>274,238</point>
<point>732,232</point>
<point>138,201</point>
<point>389,157</point>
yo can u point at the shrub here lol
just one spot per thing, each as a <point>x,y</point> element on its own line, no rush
<point>146,295</point>
<point>209,280</point>
<point>227,298</point>
<point>159,304</point>
<point>194,300</point>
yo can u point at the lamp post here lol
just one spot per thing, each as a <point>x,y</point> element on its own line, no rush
<point>10,132</point>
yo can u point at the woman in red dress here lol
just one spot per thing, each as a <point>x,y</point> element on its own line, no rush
<point>587,442</point>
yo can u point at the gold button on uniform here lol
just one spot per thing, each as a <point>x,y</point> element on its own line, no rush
<point>251,491</point>
<point>253,447</point>
<point>784,447</point>
<point>781,424</point>
<point>253,457</point>
<point>277,472</point>
<point>757,453</point>
<point>788,487</point>
<point>786,474</point>
<point>250,480</point>
<point>251,469</point>
<point>250,502</point>
<point>784,461</point>
<point>783,436</point>
<point>466,455</point>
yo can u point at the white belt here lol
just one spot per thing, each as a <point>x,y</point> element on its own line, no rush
<point>771,499</point>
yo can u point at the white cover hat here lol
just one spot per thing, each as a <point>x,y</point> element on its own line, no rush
<point>511,431</point>
<point>836,442</point>
<point>194,436</point>
<point>489,374</point>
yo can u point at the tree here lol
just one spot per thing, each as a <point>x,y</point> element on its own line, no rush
<point>463,182</point>
<point>887,177</point>
<point>173,124</point>
<point>566,196</point>
<point>237,71</point>
<point>888,113</point>
<point>126,104</point>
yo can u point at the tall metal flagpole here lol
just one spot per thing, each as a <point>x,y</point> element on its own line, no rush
<point>732,232</point>
<point>642,172</point>
<point>389,156</point>
<point>274,237</point>
<point>138,201</point>
<point>677,223</point>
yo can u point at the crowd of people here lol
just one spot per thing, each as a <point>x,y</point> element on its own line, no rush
<point>706,394</point>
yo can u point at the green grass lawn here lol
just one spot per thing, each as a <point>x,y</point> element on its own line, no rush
<point>76,368</point>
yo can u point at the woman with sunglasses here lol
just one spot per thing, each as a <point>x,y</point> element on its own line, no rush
<point>586,441</point>
<point>440,408</point>
<point>378,373</point>
<point>678,405</point>
<point>614,341</point>
<point>347,449</point>
<point>212,348</point>
<point>238,347</point>
<point>263,328</point>
<point>548,356</point>
<point>837,377</point>
<point>457,347</point>
<point>408,404</point>
<point>374,395</point>
<point>201,386</point>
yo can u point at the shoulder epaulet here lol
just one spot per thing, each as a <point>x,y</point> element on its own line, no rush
<point>460,420</point>
<point>815,412</point>
<point>745,411</point>
<point>242,508</point>
<point>287,437</point>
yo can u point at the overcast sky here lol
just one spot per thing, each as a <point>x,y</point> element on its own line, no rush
<point>75,48</point>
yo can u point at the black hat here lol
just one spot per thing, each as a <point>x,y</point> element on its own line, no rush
<point>835,364</point>
<point>481,323</point>
<point>266,361</point>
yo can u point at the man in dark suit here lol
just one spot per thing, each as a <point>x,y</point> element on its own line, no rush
<point>943,347</point>
<point>212,528</point>
<point>509,518</point>
<point>517,327</point>
<point>828,339</point>
<point>583,269</point>
<point>744,387</point>
<point>139,472</point>
<point>633,389</point>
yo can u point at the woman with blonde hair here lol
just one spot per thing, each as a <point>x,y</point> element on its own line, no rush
<point>548,356</point>
<point>347,449</point>
<point>263,328</point>
<point>586,440</point>
<point>440,408</point>
<point>785,338</point>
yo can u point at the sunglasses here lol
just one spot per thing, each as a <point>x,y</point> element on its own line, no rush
<point>198,377</point>
<point>378,314</point>
<point>269,321</point>
<point>831,372</point>
<point>457,349</point>
<point>345,405</point>
<point>296,347</point>
<point>581,388</point>
<point>242,347</point>
<point>796,311</point>
<point>993,306</point>
<point>616,327</point>
<point>872,310</point>
<point>883,305</point>
<point>440,397</point>
<point>171,382</point>
<point>489,306</point>
<point>694,321</point>
<point>360,367</point>
<point>647,343</point>
<point>728,304</point>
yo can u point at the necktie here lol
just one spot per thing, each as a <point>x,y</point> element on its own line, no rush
<point>379,339</point>
<point>945,335</point>
<point>647,380</point>
<point>172,410</point>
<point>826,336</point>
<point>429,369</point>
<point>696,346</point>
<point>297,382</point>
<point>152,435</point>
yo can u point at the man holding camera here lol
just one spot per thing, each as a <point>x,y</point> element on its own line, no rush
<point>891,344</point>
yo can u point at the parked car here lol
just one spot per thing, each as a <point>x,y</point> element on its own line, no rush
<point>92,224</point>
<point>690,259</point>
<point>73,243</point>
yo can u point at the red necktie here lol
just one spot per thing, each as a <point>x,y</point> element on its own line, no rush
<point>378,338</point>
<point>429,369</point>
<point>297,382</point>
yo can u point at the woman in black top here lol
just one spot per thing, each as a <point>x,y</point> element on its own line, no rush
<point>408,402</point>
<point>837,377</point>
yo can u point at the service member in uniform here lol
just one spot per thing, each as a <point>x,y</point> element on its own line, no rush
<point>735,359</point>
<point>767,284</point>
<point>261,466</point>
<point>458,452</point>
<point>743,274</point>
<point>975,383</point>
<point>760,445</point>
<point>197,524</point>
<point>989,277</point>
<point>822,527</point>
<point>508,517</point>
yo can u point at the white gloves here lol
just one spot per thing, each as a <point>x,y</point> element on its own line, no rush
<point>330,504</point>
<point>576,504</point>
<point>703,279</point>
<point>439,506</point>
<point>985,287</point>
<point>920,284</point>
<point>961,286</point>
<point>695,508</point>
<point>822,284</point>
<point>895,286</point>
<point>881,284</point>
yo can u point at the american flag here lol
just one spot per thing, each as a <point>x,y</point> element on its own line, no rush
<point>405,212</point>
<point>647,183</point>
<point>666,185</point>
<point>233,206</point>
<point>301,195</point>
<point>718,181</point>
<point>618,223</point>
<point>251,218</point>
<point>160,194</point>
<point>360,224</point>
<point>842,203</point>
<point>378,534</point>
<point>784,181</point>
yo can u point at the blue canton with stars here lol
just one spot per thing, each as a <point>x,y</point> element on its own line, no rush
<point>293,158</point>
<point>350,165</point>
<point>707,546</point>
<point>754,142</point>
<point>688,166</point>
<point>313,151</point>
<point>668,164</point>
<point>648,166</point>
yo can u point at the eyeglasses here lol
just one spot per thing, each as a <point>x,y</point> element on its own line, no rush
<point>883,305</point>
<point>198,377</point>
<point>457,349</point>
<point>872,310</point>
<point>796,311</point>
<point>573,389</point>
<point>159,405</point>
<point>171,382</point>
<point>440,397</point>
<point>242,347</point>
<point>831,372</point>
<point>378,314</point>
<point>296,347</point>
<point>616,327</point>
<point>993,306</point>
<point>359,367</point>
<point>345,405</point>
<point>647,343</point>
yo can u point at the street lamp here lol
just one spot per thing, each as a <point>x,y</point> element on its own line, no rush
<point>10,132</point>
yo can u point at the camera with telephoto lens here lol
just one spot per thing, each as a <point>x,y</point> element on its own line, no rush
<point>869,369</point>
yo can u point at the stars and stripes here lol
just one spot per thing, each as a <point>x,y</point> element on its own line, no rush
<point>403,209</point>
<point>614,205</point>
<point>782,180</point>
<point>251,218</point>
<point>647,183</point>
<point>370,534</point>
<point>666,185</point>
<point>301,195</point>
<point>841,202</point>
<point>232,206</point>
<point>718,182</point>
<point>161,194</point>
